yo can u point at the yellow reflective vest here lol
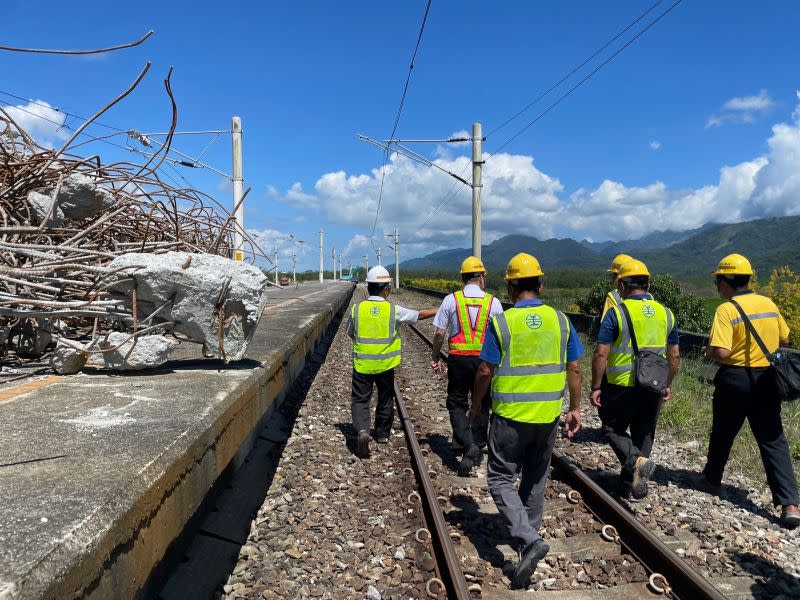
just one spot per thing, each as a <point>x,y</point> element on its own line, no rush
<point>652,323</point>
<point>528,384</point>
<point>376,340</point>
<point>612,299</point>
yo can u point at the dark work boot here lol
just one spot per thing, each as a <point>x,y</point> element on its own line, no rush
<point>469,459</point>
<point>642,473</point>
<point>531,555</point>
<point>363,444</point>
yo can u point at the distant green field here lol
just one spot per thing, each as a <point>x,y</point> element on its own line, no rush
<point>712,304</point>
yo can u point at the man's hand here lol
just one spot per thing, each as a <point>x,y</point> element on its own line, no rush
<point>437,366</point>
<point>573,422</point>
<point>474,414</point>
<point>596,398</point>
<point>667,394</point>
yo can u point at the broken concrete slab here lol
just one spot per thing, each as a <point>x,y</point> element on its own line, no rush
<point>78,198</point>
<point>211,299</point>
<point>126,353</point>
<point>67,360</point>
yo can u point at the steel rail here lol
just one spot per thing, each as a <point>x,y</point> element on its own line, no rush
<point>446,558</point>
<point>656,556</point>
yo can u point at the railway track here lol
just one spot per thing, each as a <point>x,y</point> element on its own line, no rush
<point>603,549</point>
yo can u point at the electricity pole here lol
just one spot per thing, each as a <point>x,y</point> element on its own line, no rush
<point>321,266</point>
<point>341,267</point>
<point>277,270</point>
<point>333,254</point>
<point>477,164</point>
<point>294,267</point>
<point>396,258</point>
<point>379,254</point>
<point>238,215</point>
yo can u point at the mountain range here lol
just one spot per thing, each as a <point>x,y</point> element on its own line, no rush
<point>768,243</point>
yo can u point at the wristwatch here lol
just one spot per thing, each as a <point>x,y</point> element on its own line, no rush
<point>596,389</point>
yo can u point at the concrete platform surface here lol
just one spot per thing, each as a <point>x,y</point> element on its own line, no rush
<point>100,472</point>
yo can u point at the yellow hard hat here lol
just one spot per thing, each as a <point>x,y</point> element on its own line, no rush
<point>734,264</point>
<point>619,260</point>
<point>523,266</point>
<point>633,268</point>
<point>472,264</point>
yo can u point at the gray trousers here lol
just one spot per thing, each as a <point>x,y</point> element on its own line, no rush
<point>516,447</point>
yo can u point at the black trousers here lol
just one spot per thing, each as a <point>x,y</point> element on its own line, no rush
<point>744,393</point>
<point>384,410</point>
<point>461,371</point>
<point>629,408</point>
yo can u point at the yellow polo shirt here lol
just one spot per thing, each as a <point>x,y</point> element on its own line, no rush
<point>728,330</point>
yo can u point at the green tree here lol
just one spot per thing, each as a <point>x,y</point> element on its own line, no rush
<point>689,310</point>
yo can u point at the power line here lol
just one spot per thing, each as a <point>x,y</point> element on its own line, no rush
<point>400,112</point>
<point>587,77</point>
<point>57,109</point>
<point>575,69</point>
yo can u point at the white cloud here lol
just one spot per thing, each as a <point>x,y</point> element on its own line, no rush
<point>40,120</point>
<point>286,244</point>
<point>742,109</point>
<point>520,198</point>
<point>655,144</point>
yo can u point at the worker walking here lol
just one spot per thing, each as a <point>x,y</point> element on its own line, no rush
<point>742,386</point>
<point>464,317</point>
<point>613,298</point>
<point>530,355</point>
<point>375,329</point>
<point>638,323</point>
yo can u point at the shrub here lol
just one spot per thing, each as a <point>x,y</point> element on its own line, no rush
<point>783,287</point>
<point>689,310</point>
<point>440,285</point>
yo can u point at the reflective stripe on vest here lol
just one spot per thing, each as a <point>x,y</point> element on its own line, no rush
<point>528,384</point>
<point>615,297</point>
<point>376,341</point>
<point>652,323</point>
<point>468,342</point>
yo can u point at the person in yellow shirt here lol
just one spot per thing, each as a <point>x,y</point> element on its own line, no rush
<point>742,388</point>
<point>614,298</point>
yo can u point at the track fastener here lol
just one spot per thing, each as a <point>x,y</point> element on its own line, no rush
<point>422,535</point>
<point>609,533</point>
<point>414,498</point>
<point>574,497</point>
<point>434,582</point>
<point>659,589</point>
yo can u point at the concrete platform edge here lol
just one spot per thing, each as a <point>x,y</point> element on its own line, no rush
<point>116,548</point>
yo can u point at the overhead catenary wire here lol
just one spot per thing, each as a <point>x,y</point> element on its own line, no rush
<point>450,193</point>
<point>400,112</point>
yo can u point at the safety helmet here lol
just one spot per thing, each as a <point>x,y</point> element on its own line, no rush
<point>619,260</point>
<point>734,264</point>
<point>633,268</point>
<point>523,266</point>
<point>472,264</point>
<point>378,275</point>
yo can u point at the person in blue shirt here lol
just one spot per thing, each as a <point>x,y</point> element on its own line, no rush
<point>628,411</point>
<point>529,356</point>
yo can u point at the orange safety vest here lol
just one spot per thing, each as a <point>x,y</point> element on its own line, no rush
<point>469,341</point>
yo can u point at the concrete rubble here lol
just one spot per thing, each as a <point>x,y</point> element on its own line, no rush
<point>79,197</point>
<point>210,299</point>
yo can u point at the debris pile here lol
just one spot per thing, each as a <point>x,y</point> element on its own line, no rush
<point>97,258</point>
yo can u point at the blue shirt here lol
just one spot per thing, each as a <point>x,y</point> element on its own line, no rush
<point>490,353</point>
<point>609,328</point>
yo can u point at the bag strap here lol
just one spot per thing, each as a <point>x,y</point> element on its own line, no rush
<point>749,326</point>
<point>627,316</point>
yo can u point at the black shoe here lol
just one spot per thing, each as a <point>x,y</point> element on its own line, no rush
<point>465,466</point>
<point>382,439</point>
<point>363,444</point>
<point>700,482</point>
<point>642,473</point>
<point>531,556</point>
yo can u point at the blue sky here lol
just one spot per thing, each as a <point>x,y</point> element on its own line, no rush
<point>639,147</point>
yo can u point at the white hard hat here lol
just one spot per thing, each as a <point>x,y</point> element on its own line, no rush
<point>378,275</point>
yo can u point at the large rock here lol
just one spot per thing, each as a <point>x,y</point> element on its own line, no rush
<point>67,360</point>
<point>79,198</point>
<point>194,291</point>
<point>124,353</point>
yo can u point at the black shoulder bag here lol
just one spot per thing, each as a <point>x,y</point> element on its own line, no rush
<point>651,370</point>
<point>784,367</point>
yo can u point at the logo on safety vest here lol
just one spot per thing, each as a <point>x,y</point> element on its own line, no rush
<point>533,321</point>
<point>374,311</point>
<point>648,311</point>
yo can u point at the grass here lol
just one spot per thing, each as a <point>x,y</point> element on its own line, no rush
<point>687,417</point>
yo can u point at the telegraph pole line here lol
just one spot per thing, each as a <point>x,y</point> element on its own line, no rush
<point>396,258</point>
<point>294,267</point>
<point>378,251</point>
<point>277,269</point>
<point>477,185</point>
<point>333,254</point>
<point>321,265</point>
<point>237,178</point>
